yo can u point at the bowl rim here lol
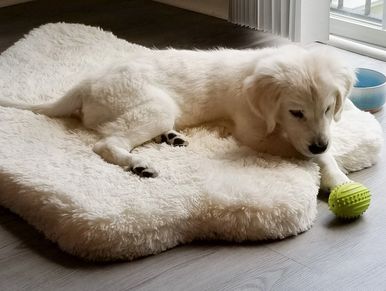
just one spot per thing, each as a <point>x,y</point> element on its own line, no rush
<point>370,87</point>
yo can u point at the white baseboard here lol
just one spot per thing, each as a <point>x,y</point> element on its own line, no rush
<point>216,8</point>
<point>371,51</point>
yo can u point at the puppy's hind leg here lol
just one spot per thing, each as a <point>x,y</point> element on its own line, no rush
<point>133,128</point>
<point>116,150</point>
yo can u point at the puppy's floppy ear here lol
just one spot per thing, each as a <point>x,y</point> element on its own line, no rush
<point>263,96</point>
<point>336,73</point>
<point>345,79</point>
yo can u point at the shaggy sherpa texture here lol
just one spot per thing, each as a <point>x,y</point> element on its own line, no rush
<point>213,189</point>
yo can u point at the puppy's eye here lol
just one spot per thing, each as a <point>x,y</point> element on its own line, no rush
<point>328,109</point>
<point>297,113</point>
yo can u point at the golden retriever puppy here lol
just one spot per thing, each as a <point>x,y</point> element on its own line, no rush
<point>276,100</point>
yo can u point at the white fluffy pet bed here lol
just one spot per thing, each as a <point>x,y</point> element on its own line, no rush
<point>212,189</point>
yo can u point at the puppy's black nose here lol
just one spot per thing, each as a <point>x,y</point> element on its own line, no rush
<point>318,148</point>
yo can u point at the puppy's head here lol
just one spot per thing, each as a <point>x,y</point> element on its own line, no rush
<point>301,92</point>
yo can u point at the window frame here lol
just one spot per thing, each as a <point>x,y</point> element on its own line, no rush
<point>358,29</point>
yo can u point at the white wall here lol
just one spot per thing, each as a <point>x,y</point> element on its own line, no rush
<point>217,8</point>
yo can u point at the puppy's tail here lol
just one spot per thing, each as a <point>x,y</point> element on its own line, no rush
<point>64,106</point>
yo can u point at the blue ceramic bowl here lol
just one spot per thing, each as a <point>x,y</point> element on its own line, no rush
<point>369,91</point>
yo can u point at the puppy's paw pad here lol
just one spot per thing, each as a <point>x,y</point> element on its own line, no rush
<point>172,135</point>
<point>180,142</point>
<point>172,138</point>
<point>145,172</point>
<point>149,173</point>
<point>161,138</point>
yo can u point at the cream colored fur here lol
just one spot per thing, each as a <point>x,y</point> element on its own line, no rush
<point>214,188</point>
<point>254,91</point>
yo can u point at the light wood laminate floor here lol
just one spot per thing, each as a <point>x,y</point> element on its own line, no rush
<point>330,256</point>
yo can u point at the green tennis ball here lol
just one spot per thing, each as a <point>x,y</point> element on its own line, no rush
<point>349,200</point>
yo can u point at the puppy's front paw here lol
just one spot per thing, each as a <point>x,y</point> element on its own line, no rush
<point>330,180</point>
<point>173,138</point>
